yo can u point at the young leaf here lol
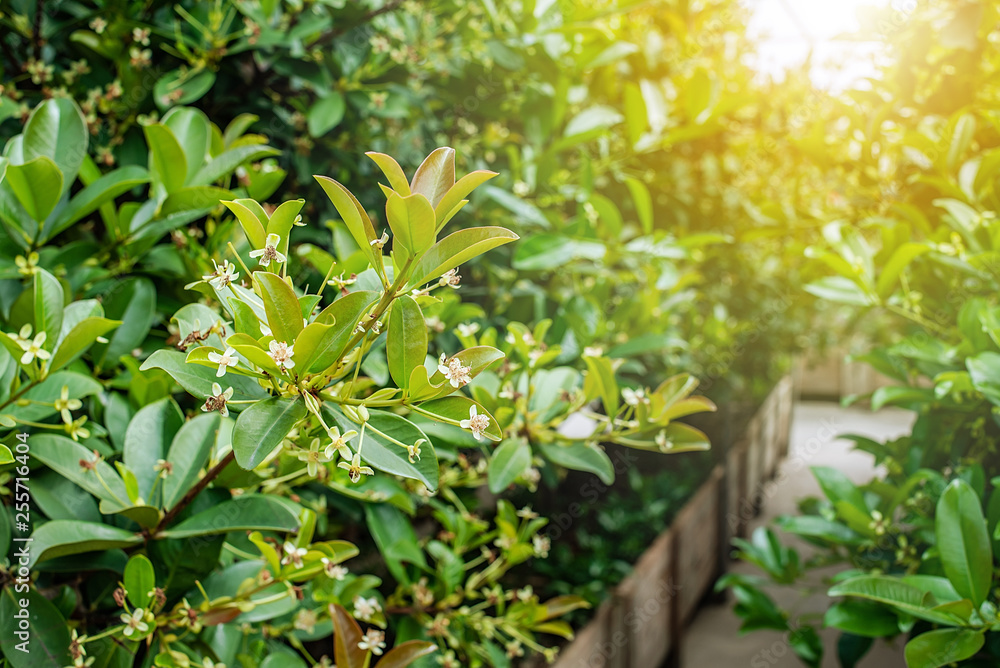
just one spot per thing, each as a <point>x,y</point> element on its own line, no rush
<point>436,175</point>
<point>458,192</point>
<point>346,636</point>
<point>393,172</point>
<point>457,248</point>
<point>411,220</point>
<point>252,225</point>
<point>283,314</point>
<point>406,343</point>
<point>167,163</point>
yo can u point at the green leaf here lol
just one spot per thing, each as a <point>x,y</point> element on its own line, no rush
<point>324,341</point>
<point>63,455</point>
<point>167,162</point>
<point>862,618</point>
<point>643,202</point>
<point>546,252</point>
<point>6,457</point>
<point>80,386</point>
<point>56,129</point>
<point>282,307</point>
<point>893,592</point>
<point>47,633</point>
<point>61,537</point>
<point>96,195</point>
<point>192,198</point>
<point>139,580</point>
<point>82,336</point>
<point>963,543</point>
<point>193,132</point>
<point>281,222</point>
<point>984,370</point>
<point>393,172</point>
<point>385,455</point>
<point>456,408</point>
<point>406,342</point>
<point>133,302</point>
<point>261,428</point>
<point>197,380</point>
<point>252,224</point>
<point>838,487</point>
<point>38,185</point>
<point>249,512</point>
<point>49,299</point>
<point>840,289</point>
<point>224,164</point>
<point>355,217</point>
<point>942,647</point>
<point>901,258</point>
<point>326,113</point>
<point>580,457</point>
<point>397,541</point>
<point>458,192</point>
<point>146,439</point>
<point>412,222</point>
<point>456,248</point>
<point>600,382</point>
<point>511,458</point>
<point>188,453</point>
<point>435,176</point>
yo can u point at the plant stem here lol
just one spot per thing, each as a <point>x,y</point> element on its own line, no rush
<point>211,475</point>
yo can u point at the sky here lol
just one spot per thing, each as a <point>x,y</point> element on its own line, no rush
<point>785,30</point>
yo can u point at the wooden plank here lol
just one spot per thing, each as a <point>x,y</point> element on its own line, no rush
<point>696,531</point>
<point>739,509</point>
<point>648,613</point>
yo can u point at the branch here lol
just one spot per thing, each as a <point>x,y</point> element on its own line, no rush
<point>212,474</point>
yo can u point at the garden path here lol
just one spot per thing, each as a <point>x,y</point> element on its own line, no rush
<point>713,640</point>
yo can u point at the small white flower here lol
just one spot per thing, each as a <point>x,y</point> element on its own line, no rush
<point>218,400</point>
<point>477,422</point>
<point>593,351</point>
<point>225,360</point>
<point>541,544</point>
<point>468,329</point>
<point>22,337</point>
<point>450,278</point>
<point>414,451</point>
<point>365,608</point>
<point>134,622</point>
<point>269,253</point>
<point>662,442</point>
<point>377,244</point>
<point>305,620</point>
<point>223,276</point>
<point>372,641</point>
<point>355,469</point>
<point>454,371</point>
<point>313,457</point>
<point>338,443</point>
<point>293,555</point>
<point>33,349</point>
<point>634,397</point>
<point>281,353</point>
<point>64,405</point>
<point>332,570</point>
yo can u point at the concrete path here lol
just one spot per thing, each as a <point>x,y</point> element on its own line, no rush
<point>713,640</point>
